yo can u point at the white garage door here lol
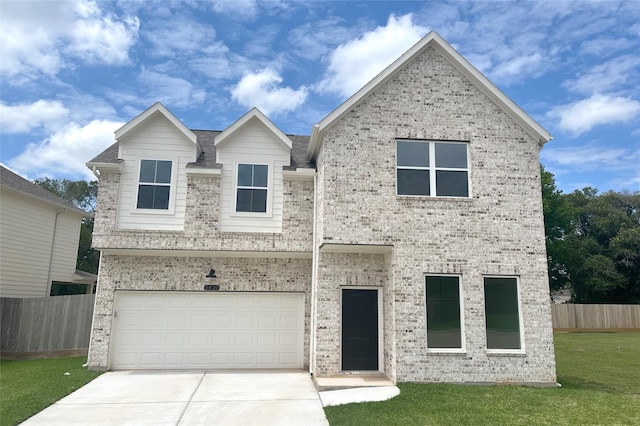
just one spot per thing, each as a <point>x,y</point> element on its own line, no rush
<point>188,330</point>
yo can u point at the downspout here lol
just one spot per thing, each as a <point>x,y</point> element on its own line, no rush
<point>53,243</point>
<point>314,260</point>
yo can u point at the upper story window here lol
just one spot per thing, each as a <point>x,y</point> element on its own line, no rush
<point>432,169</point>
<point>251,191</point>
<point>154,184</point>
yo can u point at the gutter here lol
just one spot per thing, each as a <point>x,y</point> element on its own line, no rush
<point>53,243</point>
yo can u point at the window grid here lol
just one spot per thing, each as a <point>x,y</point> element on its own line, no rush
<point>160,186</point>
<point>253,189</point>
<point>432,168</point>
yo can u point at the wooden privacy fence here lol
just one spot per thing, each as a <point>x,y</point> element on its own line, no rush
<point>45,324</point>
<point>596,316</point>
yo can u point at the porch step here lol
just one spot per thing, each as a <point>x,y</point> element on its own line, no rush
<point>349,381</point>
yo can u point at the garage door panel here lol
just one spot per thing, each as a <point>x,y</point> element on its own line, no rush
<point>182,330</point>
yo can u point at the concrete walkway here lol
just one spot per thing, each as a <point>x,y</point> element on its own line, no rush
<point>190,398</point>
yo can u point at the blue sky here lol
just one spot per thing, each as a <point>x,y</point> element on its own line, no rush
<point>72,72</point>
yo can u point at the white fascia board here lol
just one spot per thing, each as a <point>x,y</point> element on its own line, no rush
<point>253,113</point>
<point>459,62</point>
<point>209,253</point>
<point>150,112</point>
<point>299,174</point>
<point>199,171</point>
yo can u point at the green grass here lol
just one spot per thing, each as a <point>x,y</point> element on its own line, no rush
<point>599,373</point>
<point>26,387</point>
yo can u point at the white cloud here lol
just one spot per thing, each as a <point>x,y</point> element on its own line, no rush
<point>262,90</point>
<point>22,118</point>
<point>238,9</point>
<point>171,91</point>
<point>178,36</point>
<point>102,40</point>
<point>599,109</point>
<point>605,46</point>
<point>314,40</point>
<point>65,152</point>
<point>353,64</point>
<point>36,35</point>
<point>606,76</point>
<point>584,157</point>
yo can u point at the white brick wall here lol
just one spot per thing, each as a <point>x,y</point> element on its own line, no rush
<point>497,231</point>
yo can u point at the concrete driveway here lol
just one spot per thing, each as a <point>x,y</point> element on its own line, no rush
<point>271,397</point>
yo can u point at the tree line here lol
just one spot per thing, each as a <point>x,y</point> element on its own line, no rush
<point>593,242</point>
<point>592,239</point>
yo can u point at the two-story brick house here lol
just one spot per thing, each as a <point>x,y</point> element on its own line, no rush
<point>404,236</point>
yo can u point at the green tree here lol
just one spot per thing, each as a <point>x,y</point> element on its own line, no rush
<point>81,194</point>
<point>593,243</point>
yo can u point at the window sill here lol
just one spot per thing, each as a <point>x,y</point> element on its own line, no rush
<point>428,197</point>
<point>160,212</point>
<point>441,352</point>
<point>251,214</point>
<point>519,353</point>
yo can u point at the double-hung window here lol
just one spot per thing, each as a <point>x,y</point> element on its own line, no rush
<point>154,184</point>
<point>251,191</point>
<point>432,168</point>
<point>502,314</point>
<point>444,319</point>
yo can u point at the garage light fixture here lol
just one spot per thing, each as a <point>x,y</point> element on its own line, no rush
<point>211,274</point>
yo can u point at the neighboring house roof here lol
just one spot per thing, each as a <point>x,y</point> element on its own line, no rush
<point>207,158</point>
<point>19,185</point>
<point>434,40</point>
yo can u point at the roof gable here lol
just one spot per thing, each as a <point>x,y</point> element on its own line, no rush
<point>253,115</point>
<point>434,40</point>
<point>149,114</point>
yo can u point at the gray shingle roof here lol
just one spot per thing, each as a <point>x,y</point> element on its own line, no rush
<point>16,183</point>
<point>208,157</point>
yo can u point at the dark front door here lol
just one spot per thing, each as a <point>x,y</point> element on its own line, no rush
<point>359,329</point>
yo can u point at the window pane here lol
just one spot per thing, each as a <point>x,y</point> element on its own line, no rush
<point>243,200</point>
<point>145,196</point>
<point>443,313</point>
<point>260,176</point>
<point>413,182</point>
<point>451,184</point>
<point>161,197</point>
<point>251,200</point>
<point>413,154</point>
<point>259,201</point>
<point>148,171</point>
<point>451,155</point>
<point>245,175</point>
<point>163,172</point>
<point>501,313</point>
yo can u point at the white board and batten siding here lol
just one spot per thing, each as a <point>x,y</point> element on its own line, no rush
<point>158,140</point>
<point>204,330</point>
<point>254,143</point>
<point>27,229</point>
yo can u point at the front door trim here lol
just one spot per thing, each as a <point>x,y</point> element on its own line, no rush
<point>380,326</point>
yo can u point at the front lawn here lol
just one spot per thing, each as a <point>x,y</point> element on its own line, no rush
<point>26,387</point>
<point>599,373</point>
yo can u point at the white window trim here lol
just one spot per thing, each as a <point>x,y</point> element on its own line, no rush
<point>432,169</point>
<point>269,189</point>
<point>172,189</point>
<point>380,326</point>
<point>463,348</point>
<point>522,349</point>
